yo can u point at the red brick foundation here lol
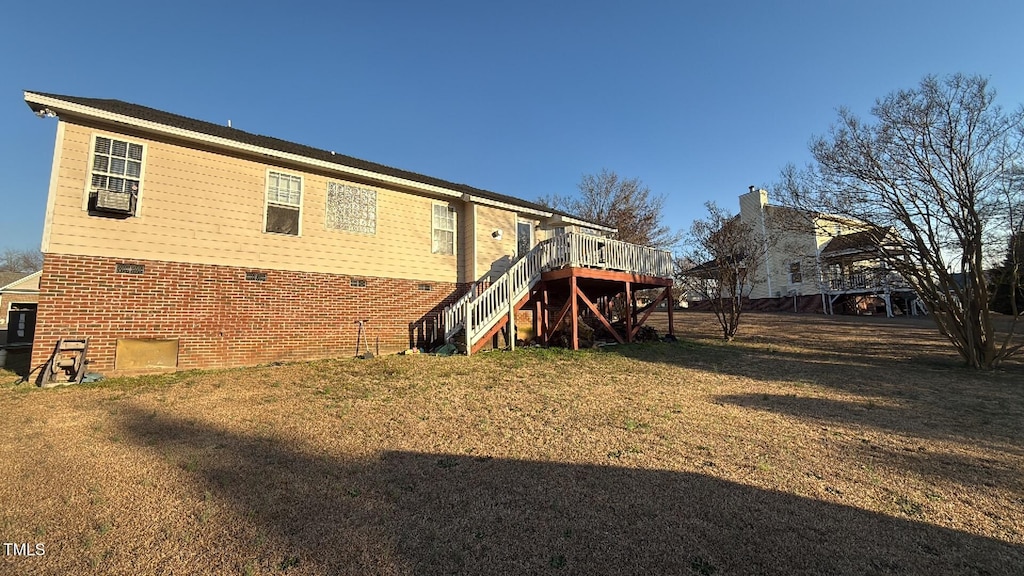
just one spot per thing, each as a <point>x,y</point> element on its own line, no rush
<point>220,317</point>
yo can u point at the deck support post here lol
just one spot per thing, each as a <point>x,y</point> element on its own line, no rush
<point>593,308</point>
<point>510,336</point>
<point>670,304</point>
<point>574,310</point>
<point>468,323</point>
<point>650,308</point>
<point>546,318</point>
<point>561,316</point>
<point>629,312</point>
<point>537,320</point>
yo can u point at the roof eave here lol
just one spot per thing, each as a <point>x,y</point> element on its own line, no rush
<point>40,102</point>
<point>565,219</point>
<point>58,107</point>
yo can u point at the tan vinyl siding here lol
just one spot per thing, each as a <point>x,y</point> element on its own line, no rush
<point>492,255</point>
<point>204,207</point>
<point>467,244</point>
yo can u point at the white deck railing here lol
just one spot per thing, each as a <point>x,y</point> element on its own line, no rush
<point>597,252</point>
<point>484,307</point>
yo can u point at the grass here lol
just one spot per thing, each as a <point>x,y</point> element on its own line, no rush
<point>809,445</point>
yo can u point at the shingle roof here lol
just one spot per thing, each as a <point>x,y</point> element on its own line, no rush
<point>182,122</point>
<point>710,268</point>
<point>7,278</point>
<point>863,241</point>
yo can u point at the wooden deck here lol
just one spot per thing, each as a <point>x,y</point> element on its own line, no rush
<point>565,272</point>
<point>553,306</point>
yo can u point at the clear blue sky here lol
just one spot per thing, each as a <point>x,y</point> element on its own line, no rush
<point>697,99</point>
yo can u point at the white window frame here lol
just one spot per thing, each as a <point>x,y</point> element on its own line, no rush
<point>327,199</point>
<point>789,272</point>
<point>91,162</point>
<point>454,230</point>
<point>267,202</point>
<point>530,225</point>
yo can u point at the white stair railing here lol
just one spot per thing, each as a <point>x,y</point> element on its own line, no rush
<point>487,309</point>
<point>453,315</point>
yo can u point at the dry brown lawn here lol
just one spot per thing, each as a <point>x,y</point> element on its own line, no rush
<point>811,445</point>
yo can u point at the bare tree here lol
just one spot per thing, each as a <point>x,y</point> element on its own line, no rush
<point>932,169</point>
<point>722,264</point>
<point>1008,280</point>
<point>21,261</point>
<point>626,204</point>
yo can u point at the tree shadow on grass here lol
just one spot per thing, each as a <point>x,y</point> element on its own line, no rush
<point>418,513</point>
<point>940,402</point>
<point>863,340</point>
<point>905,454</point>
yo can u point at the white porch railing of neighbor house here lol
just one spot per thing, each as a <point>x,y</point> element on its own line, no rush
<point>868,280</point>
<point>483,308</point>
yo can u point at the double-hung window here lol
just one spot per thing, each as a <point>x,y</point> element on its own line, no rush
<point>795,275</point>
<point>115,176</point>
<point>443,229</point>
<point>284,203</point>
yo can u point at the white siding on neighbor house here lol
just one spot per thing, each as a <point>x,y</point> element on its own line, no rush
<point>794,238</point>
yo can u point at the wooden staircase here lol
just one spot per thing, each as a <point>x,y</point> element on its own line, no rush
<point>485,310</point>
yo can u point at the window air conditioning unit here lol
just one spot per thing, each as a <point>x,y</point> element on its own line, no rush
<point>115,202</point>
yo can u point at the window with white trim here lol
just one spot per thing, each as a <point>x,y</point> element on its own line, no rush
<point>284,203</point>
<point>443,230</point>
<point>351,208</point>
<point>115,176</point>
<point>795,275</point>
<point>524,237</point>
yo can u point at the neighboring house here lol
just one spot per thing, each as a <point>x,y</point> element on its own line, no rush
<point>822,262</point>
<point>19,296</point>
<point>176,243</point>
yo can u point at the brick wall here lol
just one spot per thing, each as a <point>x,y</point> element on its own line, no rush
<point>221,318</point>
